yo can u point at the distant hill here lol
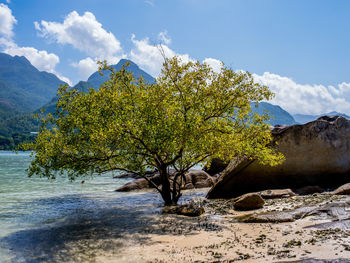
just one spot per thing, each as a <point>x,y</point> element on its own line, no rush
<point>23,86</point>
<point>302,118</point>
<point>280,116</point>
<point>96,79</point>
<point>23,89</point>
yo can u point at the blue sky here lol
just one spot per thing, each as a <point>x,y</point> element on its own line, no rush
<point>300,49</point>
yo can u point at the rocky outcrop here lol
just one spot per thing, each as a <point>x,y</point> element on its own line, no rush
<point>317,153</point>
<point>193,179</point>
<point>249,202</point>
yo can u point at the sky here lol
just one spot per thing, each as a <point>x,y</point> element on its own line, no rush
<point>300,49</point>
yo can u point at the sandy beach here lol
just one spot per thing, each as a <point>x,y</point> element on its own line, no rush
<point>217,236</point>
<point>132,228</point>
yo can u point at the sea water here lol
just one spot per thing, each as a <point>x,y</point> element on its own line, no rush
<point>28,204</point>
<point>44,220</point>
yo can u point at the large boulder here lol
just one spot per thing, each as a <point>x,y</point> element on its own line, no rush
<point>193,179</point>
<point>317,153</point>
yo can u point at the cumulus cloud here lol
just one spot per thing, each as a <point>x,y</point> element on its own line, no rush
<point>215,64</point>
<point>86,67</point>
<point>7,21</point>
<point>306,98</point>
<point>149,57</point>
<point>40,59</point>
<point>84,33</point>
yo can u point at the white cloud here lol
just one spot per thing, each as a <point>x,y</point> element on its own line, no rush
<point>40,59</point>
<point>84,33</point>
<point>164,38</point>
<point>149,57</point>
<point>7,20</point>
<point>305,98</point>
<point>215,64</point>
<point>86,67</point>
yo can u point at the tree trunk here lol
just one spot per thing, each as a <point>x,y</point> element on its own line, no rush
<point>166,192</point>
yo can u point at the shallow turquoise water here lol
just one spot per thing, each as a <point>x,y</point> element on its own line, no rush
<point>29,203</point>
<point>45,220</point>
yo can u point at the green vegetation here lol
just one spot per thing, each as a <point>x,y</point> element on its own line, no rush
<point>17,129</point>
<point>188,116</point>
<point>27,88</point>
<point>23,89</point>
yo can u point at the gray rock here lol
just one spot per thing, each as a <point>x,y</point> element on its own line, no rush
<point>191,209</point>
<point>249,201</point>
<point>317,153</point>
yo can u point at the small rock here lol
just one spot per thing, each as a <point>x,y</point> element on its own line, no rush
<point>191,209</point>
<point>276,193</point>
<point>249,201</point>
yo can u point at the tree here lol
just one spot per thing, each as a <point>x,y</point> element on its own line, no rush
<point>187,117</point>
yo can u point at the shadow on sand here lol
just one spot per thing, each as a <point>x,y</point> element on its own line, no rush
<point>95,228</point>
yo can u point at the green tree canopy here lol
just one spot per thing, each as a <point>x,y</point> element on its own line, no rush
<point>190,115</point>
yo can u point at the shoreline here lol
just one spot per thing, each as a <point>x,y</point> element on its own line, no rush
<point>131,228</point>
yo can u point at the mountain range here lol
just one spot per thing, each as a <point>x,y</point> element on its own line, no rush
<point>302,118</point>
<point>24,90</point>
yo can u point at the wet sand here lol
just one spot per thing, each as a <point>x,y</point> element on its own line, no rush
<point>136,231</point>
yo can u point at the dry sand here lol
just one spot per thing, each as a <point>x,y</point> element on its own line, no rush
<point>216,236</point>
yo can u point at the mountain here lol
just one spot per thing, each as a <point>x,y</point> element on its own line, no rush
<point>23,86</point>
<point>279,115</point>
<point>96,79</point>
<point>303,118</point>
<point>23,89</point>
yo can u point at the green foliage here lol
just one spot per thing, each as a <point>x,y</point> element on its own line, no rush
<point>16,129</point>
<point>188,116</point>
